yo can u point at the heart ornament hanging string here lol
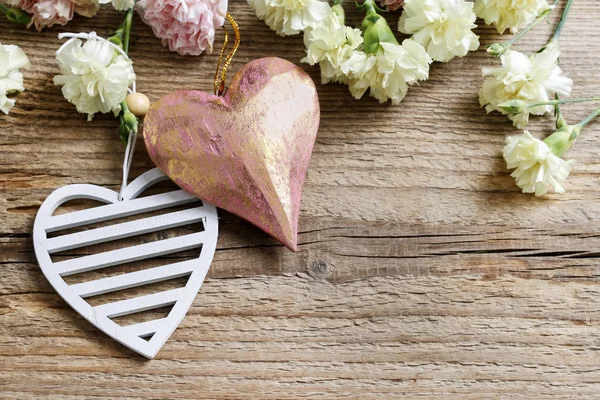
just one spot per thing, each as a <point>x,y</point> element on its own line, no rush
<point>245,149</point>
<point>117,220</point>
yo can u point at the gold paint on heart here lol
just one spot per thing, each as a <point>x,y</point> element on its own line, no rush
<point>247,151</point>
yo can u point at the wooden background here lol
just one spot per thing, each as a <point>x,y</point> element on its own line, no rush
<point>422,270</point>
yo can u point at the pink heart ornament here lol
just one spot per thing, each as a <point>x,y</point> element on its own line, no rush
<point>247,151</point>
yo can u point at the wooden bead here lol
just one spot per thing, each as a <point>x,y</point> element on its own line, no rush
<point>138,104</point>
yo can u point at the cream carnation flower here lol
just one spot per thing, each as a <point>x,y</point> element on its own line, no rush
<point>330,44</point>
<point>510,14</point>
<point>533,79</point>
<point>119,5</point>
<point>94,77</point>
<point>443,27</point>
<point>12,58</point>
<point>289,17</point>
<point>389,72</point>
<point>536,168</point>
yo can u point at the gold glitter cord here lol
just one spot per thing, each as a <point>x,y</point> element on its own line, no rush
<point>221,72</point>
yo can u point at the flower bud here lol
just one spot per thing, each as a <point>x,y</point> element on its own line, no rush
<point>128,124</point>
<point>513,106</point>
<point>561,122</point>
<point>496,49</point>
<point>375,30</point>
<point>123,131</point>
<point>130,120</point>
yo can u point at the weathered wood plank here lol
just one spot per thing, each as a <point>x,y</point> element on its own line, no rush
<point>451,335</point>
<point>421,272</point>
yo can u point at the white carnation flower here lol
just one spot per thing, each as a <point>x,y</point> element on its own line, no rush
<point>443,27</point>
<point>536,168</point>
<point>119,5</point>
<point>289,17</point>
<point>94,77</point>
<point>330,44</point>
<point>510,14</point>
<point>389,72</point>
<point>12,58</point>
<point>533,79</point>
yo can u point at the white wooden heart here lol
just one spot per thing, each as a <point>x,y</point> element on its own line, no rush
<point>132,336</point>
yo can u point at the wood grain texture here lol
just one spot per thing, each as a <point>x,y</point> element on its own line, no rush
<point>422,271</point>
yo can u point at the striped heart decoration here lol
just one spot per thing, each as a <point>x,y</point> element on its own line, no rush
<point>56,234</point>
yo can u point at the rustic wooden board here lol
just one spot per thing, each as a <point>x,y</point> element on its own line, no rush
<point>422,270</point>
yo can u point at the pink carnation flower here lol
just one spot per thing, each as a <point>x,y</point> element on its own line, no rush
<point>392,5</point>
<point>51,12</point>
<point>186,26</point>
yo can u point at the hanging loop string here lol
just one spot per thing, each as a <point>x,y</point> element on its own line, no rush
<point>129,150</point>
<point>217,82</point>
<point>131,139</point>
<point>221,73</point>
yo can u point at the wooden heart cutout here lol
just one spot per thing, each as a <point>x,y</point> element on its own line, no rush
<point>133,336</point>
<point>247,151</point>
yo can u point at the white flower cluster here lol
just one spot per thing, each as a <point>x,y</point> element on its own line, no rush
<point>94,77</point>
<point>371,59</point>
<point>386,73</point>
<point>440,29</point>
<point>533,79</point>
<point>12,59</point>
<point>525,85</point>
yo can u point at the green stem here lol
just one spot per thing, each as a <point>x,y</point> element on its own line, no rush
<point>536,21</point>
<point>588,119</point>
<point>128,22</point>
<point>524,32</point>
<point>123,32</point>
<point>557,102</point>
<point>562,21</point>
<point>121,37</point>
<point>369,5</point>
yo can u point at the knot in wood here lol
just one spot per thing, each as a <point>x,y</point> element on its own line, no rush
<point>319,269</point>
